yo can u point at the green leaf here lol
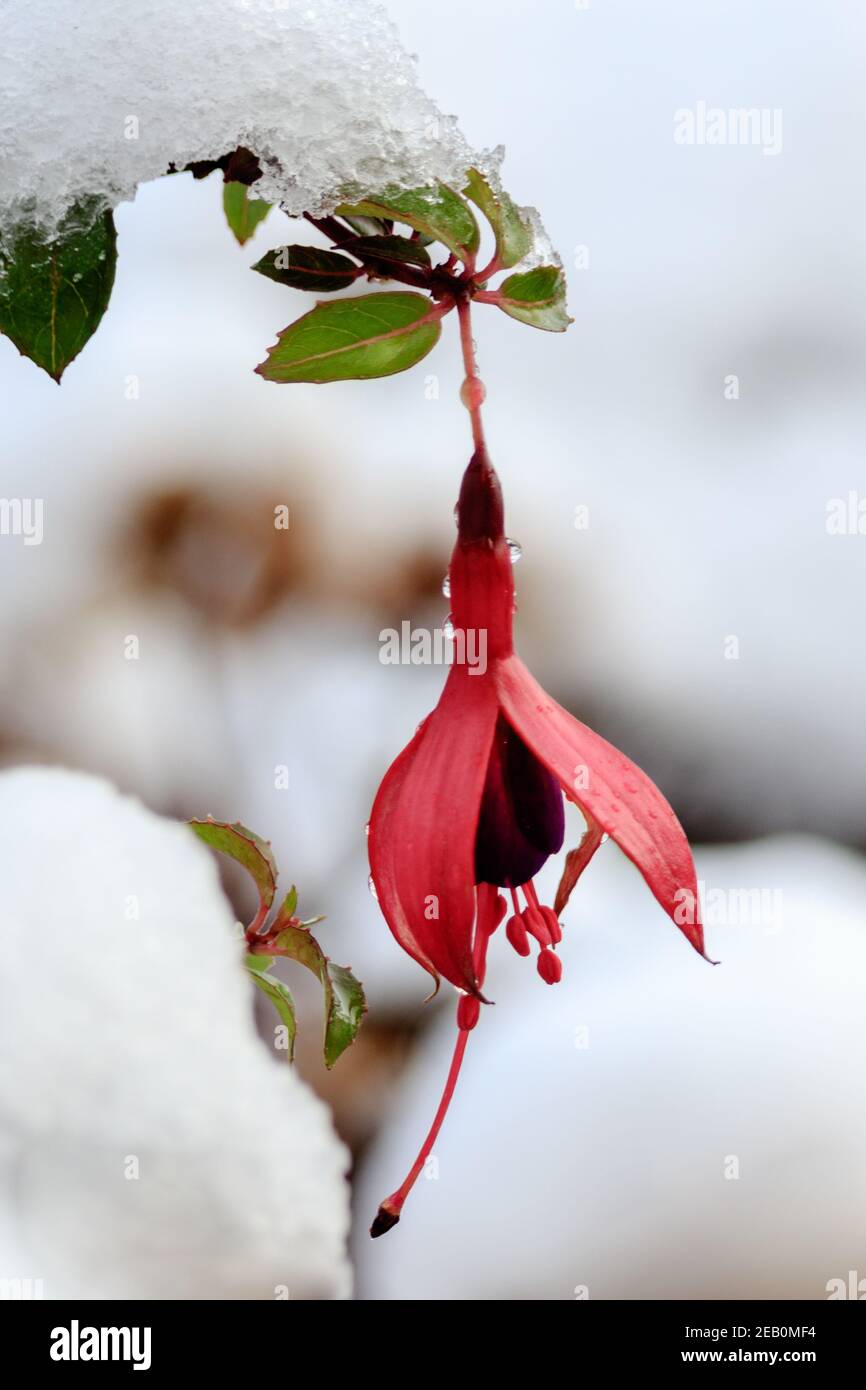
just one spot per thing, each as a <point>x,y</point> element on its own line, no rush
<point>279,994</point>
<point>436,211</point>
<point>513,235</point>
<point>345,1004</point>
<point>53,293</point>
<point>243,213</point>
<point>536,297</point>
<point>247,848</point>
<point>383,252</point>
<point>308,268</point>
<point>289,903</point>
<point>371,336</point>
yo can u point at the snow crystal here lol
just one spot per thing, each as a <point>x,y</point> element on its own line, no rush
<point>542,250</point>
<point>97,98</point>
<point>150,1146</point>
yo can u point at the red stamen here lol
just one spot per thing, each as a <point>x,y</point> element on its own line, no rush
<point>489,908</point>
<point>516,933</point>
<point>536,925</point>
<point>549,967</point>
<point>500,909</point>
<point>547,914</point>
<point>531,895</point>
<point>553,924</point>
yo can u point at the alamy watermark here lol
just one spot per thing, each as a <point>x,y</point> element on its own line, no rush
<point>730,907</point>
<point>846,516</point>
<point>22,516</point>
<point>77,1343</point>
<point>440,646</point>
<point>736,125</point>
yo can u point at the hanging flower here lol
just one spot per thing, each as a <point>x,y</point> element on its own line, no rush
<point>474,804</point>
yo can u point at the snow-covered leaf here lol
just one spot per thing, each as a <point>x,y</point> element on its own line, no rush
<point>513,233</point>
<point>54,293</point>
<point>98,98</point>
<point>437,212</point>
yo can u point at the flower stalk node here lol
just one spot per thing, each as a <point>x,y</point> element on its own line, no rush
<point>473,393</point>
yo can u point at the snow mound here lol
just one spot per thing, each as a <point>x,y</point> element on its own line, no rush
<point>98,98</point>
<point>149,1145</point>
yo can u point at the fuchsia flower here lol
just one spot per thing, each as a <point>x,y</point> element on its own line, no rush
<point>474,804</point>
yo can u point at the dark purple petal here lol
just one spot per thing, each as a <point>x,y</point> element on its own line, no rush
<point>522,820</point>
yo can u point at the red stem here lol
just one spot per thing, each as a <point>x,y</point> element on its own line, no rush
<point>258,922</point>
<point>486,917</point>
<point>473,383</point>
<point>488,296</point>
<point>490,269</point>
<point>389,1212</point>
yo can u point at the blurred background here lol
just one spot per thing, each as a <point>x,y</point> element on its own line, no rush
<point>669,466</point>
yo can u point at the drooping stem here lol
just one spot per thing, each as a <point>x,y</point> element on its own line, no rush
<point>489,913</point>
<point>389,1212</point>
<point>472,392</point>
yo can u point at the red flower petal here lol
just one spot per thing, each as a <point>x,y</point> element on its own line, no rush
<point>576,861</point>
<point>618,795</point>
<point>381,856</point>
<point>423,825</point>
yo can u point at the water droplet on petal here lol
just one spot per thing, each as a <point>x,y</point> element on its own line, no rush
<point>515,550</point>
<point>372,887</point>
<point>446,586</point>
<point>367,828</point>
<point>448,628</point>
<point>605,837</point>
